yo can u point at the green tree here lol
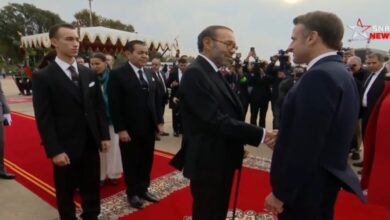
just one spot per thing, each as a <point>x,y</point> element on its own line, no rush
<point>82,19</point>
<point>17,20</point>
<point>116,24</point>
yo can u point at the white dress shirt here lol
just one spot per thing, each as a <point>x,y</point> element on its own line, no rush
<point>315,60</point>
<point>162,79</point>
<point>136,72</point>
<point>180,74</point>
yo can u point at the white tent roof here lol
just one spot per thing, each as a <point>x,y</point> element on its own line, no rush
<point>101,33</point>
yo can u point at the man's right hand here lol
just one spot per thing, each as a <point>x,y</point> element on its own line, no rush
<point>270,139</point>
<point>175,100</point>
<point>124,136</point>
<point>174,84</point>
<point>61,160</point>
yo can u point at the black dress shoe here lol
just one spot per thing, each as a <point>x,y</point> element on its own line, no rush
<point>135,202</point>
<point>7,176</point>
<point>164,134</point>
<point>176,134</point>
<point>150,197</point>
<point>358,164</point>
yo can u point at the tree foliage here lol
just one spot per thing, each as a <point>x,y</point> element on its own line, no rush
<point>17,20</point>
<point>82,19</point>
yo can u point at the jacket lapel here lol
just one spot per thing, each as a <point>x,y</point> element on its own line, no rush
<point>132,75</point>
<point>84,82</point>
<point>221,84</point>
<point>66,82</point>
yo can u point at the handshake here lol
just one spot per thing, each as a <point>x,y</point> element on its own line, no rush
<point>270,138</point>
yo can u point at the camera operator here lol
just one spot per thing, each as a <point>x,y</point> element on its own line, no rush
<point>248,68</point>
<point>278,73</point>
<point>261,93</point>
<point>241,85</point>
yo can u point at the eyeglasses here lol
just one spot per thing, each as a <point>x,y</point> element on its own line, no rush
<point>229,44</point>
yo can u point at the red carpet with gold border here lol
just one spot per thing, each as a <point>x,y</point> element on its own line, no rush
<point>25,157</point>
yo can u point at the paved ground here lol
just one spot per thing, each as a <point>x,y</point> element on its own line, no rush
<point>18,203</point>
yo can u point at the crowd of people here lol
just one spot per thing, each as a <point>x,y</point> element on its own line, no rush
<point>103,121</point>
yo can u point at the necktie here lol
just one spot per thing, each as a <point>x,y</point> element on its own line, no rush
<point>74,76</point>
<point>144,84</point>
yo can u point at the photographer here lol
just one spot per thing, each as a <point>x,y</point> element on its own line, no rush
<point>277,73</point>
<point>241,80</point>
<point>248,73</point>
<point>261,93</point>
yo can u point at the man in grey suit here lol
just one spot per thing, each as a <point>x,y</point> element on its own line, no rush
<point>5,117</point>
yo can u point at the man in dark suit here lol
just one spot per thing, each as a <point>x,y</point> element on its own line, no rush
<point>373,86</point>
<point>260,95</point>
<point>318,117</point>
<point>161,95</point>
<point>360,74</point>
<point>72,123</point>
<point>131,95</point>
<point>173,81</point>
<point>214,132</point>
<point>372,89</point>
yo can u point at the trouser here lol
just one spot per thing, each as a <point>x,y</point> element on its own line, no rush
<point>82,173</point>
<point>211,194</point>
<point>137,160</point>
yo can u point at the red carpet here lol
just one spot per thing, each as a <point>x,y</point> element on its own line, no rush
<point>26,157</point>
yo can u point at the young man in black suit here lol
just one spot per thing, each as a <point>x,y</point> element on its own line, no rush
<point>72,123</point>
<point>131,95</point>
<point>214,133</point>
<point>318,118</point>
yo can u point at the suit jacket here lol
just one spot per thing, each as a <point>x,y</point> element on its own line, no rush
<point>130,109</point>
<point>160,86</point>
<point>318,119</point>
<point>261,92</point>
<point>65,112</point>
<point>173,76</point>
<point>213,129</point>
<point>161,95</point>
<point>373,94</point>
<point>360,77</point>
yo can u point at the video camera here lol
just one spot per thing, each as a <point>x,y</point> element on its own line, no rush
<point>283,58</point>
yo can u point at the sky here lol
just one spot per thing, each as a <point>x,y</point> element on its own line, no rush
<point>263,24</point>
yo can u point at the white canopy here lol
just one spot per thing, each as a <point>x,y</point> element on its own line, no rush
<point>99,35</point>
